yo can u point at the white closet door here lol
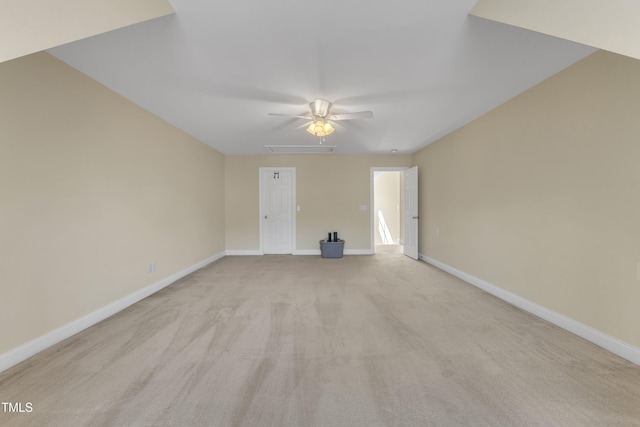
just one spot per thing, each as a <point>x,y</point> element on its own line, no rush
<point>277,210</point>
<point>411,212</point>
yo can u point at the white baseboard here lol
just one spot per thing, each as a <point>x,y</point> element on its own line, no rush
<point>25,351</point>
<point>614,345</point>
<point>358,252</point>
<point>345,252</point>
<point>234,252</point>
<point>307,252</point>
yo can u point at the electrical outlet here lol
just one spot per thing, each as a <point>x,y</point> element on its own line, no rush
<point>437,231</point>
<point>152,267</point>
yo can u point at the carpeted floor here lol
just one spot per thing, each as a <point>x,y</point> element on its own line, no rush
<point>303,341</point>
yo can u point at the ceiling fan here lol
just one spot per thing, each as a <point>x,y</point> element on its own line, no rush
<point>321,117</point>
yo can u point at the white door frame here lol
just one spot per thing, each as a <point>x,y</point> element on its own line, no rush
<point>293,204</point>
<point>372,220</point>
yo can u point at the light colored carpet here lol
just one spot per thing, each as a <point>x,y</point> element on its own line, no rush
<point>304,341</point>
<point>389,249</point>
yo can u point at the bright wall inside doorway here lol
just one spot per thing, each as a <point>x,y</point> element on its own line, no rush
<point>388,216</point>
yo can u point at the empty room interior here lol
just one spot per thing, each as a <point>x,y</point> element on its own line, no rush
<point>300,214</point>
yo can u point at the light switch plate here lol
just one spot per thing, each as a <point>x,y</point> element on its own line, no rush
<point>364,207</point>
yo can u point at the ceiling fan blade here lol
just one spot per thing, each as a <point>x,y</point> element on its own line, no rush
<point>340,125</point>
<point>304,125</point>
<point>352,116</point>
<point>283,125</point>
<point>290,115</point>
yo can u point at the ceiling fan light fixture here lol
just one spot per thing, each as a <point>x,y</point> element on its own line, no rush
<point>322,117</point>
<point>320,108</point>
<point>320,128</point>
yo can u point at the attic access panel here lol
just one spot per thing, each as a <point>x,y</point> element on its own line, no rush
<point>300,149</point>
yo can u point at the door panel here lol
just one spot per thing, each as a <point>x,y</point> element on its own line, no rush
<point>277,210</point>
<point>411,212</point>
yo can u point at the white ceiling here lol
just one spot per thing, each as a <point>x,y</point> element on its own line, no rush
<point>424,67</point>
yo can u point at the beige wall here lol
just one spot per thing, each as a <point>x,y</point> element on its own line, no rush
<point>330,189</point>
<point>541,196</point>
<point>387,200</point>
<point>92,189</point>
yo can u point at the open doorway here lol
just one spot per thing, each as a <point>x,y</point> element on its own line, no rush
<point>387,210</point>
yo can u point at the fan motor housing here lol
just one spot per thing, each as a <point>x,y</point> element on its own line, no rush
<point>320,108</point>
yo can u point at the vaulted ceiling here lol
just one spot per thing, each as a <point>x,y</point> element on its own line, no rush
<point>215,69</point>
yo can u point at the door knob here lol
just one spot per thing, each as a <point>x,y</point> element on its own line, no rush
<point>265,217</point>
<point>414,217</point>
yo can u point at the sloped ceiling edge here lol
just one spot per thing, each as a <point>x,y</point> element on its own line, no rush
<point>29,26</point>
<point>609,25</point>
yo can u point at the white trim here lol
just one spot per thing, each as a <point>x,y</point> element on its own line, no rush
<point>307,252</point>
<point>36,345</point>
<point>300,252</point>
<point>358,252</point>
<point>294,211</point>
<point>614,345</point>
<point>344,252</point>
<point>372,220</point>
<point>234,252</point>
